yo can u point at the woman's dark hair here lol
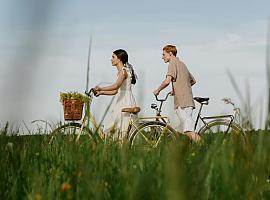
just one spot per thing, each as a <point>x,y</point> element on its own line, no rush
<point>123,56</point>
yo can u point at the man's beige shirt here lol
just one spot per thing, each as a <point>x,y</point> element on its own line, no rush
<point>182,80</point>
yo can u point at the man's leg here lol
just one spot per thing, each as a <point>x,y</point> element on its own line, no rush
<point>185,115</point>
<point>178,125</point>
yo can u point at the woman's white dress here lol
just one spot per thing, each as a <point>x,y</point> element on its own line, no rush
<point>116,122</point>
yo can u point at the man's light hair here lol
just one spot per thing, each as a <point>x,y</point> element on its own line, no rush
<point>170,48</point>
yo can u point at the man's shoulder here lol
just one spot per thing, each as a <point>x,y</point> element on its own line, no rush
<point>177,62</point>
<point>181,62</point>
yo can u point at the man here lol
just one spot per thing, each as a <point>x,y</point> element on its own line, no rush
<point>182,81</point>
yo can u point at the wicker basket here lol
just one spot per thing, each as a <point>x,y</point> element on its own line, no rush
<point>73,109</point>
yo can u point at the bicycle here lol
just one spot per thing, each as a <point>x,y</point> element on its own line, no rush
<point>211,124</point>
<point>138,129</point>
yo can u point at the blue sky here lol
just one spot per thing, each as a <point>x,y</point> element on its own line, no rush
<point>44,50</point>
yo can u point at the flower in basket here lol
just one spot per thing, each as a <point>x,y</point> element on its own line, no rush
<point>73,95</point>
<point>73,105</point>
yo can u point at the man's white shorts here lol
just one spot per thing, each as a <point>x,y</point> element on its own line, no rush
<point>184,121</point>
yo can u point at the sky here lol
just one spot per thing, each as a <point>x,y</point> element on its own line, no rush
<point>44,50</point>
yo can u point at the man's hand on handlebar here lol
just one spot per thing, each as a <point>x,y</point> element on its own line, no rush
<point>158,99</point>
<point>156,92</point>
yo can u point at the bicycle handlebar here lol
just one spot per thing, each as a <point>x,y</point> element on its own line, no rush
<point>92,90</point>
<point>161,100</point>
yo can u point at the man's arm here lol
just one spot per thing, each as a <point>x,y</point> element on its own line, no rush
<point>163,85</point>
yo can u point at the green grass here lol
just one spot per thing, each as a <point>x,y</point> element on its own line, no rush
<point>219,168</point>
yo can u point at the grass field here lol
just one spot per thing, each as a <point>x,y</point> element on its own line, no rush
<point>219,168</point>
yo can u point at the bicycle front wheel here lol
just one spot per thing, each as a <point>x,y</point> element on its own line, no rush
<point>71,131</point>
<point>221,126</point>
<point>150,134</point>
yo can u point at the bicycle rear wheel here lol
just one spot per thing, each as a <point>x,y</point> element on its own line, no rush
<point>150,134</point>
<point>70,132</point>
<point>222,126</point>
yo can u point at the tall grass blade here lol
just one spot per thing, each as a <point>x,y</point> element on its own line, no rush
<point>88,64</point>
<point>267,124</point>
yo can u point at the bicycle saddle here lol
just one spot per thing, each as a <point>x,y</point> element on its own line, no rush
<point>201,99</point>
<point>133,110</point>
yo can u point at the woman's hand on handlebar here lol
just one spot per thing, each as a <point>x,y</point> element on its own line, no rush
<point>97,91</point>
<point>93,90</point>
<point>97,88</point>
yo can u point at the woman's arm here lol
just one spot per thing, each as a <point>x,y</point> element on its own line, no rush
<point>111,92</point>
<point>117,84</point>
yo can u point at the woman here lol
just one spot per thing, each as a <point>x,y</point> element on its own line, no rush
<point>116,121</point>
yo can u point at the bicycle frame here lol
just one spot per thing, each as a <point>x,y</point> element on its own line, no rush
<point>88,118</point>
